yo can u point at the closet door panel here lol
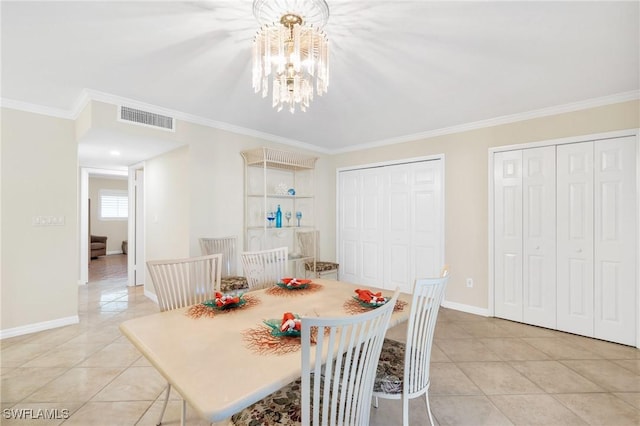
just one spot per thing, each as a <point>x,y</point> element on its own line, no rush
<point>539,236</point>
<point>575,238</point>
<point>397,228</point>
<point>508,235</point>
<point>427,219</point>
<point>371,215</point>
<point>427,224</point>
<point>615,240</point>
<point>349,218</point>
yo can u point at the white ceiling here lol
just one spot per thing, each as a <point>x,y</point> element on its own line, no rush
<point>398,68</point>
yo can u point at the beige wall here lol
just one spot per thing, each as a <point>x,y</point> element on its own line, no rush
<point>39,264</point>
<point>198,190</point>
<point>166,202</point>
<point>466,181</point>
<point>114,230</point>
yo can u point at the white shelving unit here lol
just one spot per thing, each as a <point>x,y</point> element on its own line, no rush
<point>269,174</point>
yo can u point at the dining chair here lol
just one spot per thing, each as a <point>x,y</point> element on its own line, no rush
<point>403,369</point>
<point>332,390</point>
<point>183,282</point>
<point>264,268</point>
<point>308,241</point>
<point>230,281</point>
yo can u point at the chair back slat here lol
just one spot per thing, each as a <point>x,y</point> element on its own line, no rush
<point>264,268</point>
<point>338,371</point>
<point>227,247</point>
<point>184,282</point>
<point>308,243</point>
<point>428,294</point>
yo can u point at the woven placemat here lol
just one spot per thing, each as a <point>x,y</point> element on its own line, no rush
<point>279,291</point>
<point>353,307</point>
<point>200,310</point>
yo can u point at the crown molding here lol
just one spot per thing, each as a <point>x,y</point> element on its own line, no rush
<point>505,119</point>
<point>88,95</point>
<point>80,104</point>
<point>36,109</point>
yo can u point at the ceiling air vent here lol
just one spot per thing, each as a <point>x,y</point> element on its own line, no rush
<point>146,118</point>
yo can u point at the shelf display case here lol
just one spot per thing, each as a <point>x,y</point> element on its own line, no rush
<point>275,178</point>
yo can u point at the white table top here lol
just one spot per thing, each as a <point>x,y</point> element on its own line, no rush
<point>207,361</point>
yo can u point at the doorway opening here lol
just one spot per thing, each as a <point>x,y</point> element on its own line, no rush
<point>104,225</point>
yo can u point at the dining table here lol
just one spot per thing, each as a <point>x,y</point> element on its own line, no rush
<point>212,360</point>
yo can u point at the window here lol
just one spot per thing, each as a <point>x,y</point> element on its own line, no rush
<point>114,204</point>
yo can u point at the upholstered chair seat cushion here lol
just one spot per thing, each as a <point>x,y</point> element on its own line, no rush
<point>390,373</point>
<point>280,408</point>
<point>233,283</point>
<point>321,266</point>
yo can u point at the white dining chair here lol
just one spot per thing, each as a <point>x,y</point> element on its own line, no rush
<point>230,281</point>
<point>265,268</point>
<point>183,282</point>
<point>403,369</point>
<point>332,390</point>
<point>308,241</point>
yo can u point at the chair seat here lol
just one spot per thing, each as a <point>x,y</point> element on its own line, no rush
<point>280,408</point>
<point>321,266</point>
<point>228,284</point>
<point>390,373</point>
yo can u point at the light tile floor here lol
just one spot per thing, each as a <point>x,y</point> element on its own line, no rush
<point>485,371</point>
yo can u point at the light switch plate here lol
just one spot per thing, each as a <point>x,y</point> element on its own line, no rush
<point>48,221</point>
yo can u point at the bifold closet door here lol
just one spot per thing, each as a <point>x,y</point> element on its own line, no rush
<point>615,236</point>
<point>360,210</point>
<point>391,224</point>
<point>508,234</point>
<point>575,238</point>
<point>539,236</point>
<point>525,256</point>
<point>597,239</point>
<point>412,223</point>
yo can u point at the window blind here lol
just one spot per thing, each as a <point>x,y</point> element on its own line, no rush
<point>114,204</point>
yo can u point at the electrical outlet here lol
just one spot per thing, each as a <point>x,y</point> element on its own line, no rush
<point>469,282</point>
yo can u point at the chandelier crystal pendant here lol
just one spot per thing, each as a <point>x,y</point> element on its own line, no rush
<point>291,50</point>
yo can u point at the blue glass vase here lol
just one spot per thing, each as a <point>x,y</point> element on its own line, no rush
<point>278,217</point>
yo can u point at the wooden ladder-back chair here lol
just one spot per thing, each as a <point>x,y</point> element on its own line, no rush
<point>183,282</point>
<point>265,268</point>
<point>338,373</point>
<point>230,281</point>
<point>403,370</point>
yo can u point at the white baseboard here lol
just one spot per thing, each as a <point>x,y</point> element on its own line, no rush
<point>466,308</point>
<point>39,326</point>
<point>151,296</point>
<point>114,252</point>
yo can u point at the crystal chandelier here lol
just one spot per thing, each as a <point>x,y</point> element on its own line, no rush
<point>292,50</point>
